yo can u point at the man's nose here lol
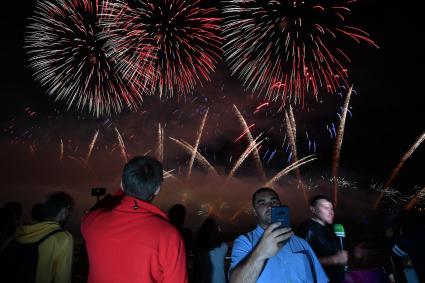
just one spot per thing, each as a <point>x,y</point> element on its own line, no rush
<point>269,205</point>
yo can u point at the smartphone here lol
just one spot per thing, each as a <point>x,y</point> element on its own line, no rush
<point>281,214</point>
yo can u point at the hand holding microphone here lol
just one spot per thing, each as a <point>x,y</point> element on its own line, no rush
<point>341,257</point>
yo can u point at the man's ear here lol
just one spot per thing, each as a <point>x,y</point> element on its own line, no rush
<point>312,209</point>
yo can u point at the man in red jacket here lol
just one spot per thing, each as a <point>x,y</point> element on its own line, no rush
<point>129,239</point>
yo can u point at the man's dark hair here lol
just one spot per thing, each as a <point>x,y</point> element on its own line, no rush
<point>261,190</point>
<point>55,202</point>
<point>316,198</point>
<point>141,177</point>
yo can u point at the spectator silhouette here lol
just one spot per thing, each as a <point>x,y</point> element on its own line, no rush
<point>409,243</point>
<point>9,217</point>
<point>177,215</point>
<point>209,254</point>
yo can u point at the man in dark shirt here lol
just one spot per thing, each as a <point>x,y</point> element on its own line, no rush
<point>410,243</point>
<point>322,241</point>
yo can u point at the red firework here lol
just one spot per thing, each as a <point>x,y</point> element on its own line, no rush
<point>289,49</point>
<point>184,35</point>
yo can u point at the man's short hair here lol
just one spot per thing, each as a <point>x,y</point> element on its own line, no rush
<point>141,177</point>
<point>54,203</point>
<point>261,190</point>
<point>316,198</point>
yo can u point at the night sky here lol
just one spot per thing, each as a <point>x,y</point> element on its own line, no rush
<point>387,118</point>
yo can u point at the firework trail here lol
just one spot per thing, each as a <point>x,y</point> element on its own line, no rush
<point>255,153</point>
<point>61,152</point>
<point>69,59</point>
<point>261,106</point>
<point>292,134</point>
<point>236,215</point>
<point>415,199</point>
<point>293,124</point>
<point>244,133</point>
<point>291,130</point>
<point>82,162</point>
<point>159,153</point>
<point>32,148</point>
<point>397,169</point>
<point>289,168</point>
<point>79,161</point>
<point>185,38</point>
<point>168,174</point>
<point>91,146</point>
<point>122,145</point>
<point>195,148</point>
<point>199,157</point>
<point>288,49</point>
<point>252,146</point>
<point>338,144</point>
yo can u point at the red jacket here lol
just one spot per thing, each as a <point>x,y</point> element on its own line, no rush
<point>134,242</point>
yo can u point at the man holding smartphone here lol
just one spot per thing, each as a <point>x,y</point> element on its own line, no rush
<point>271,253</point>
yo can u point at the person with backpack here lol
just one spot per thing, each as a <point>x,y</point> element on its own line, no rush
<point>41,252</point>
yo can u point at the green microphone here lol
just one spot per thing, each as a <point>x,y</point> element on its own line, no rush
<point>340,233</point>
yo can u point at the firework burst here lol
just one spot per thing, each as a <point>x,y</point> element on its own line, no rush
<point>184,37</point>
<point>288,49</point>
<point>69,59</point>
<point>416,199</point>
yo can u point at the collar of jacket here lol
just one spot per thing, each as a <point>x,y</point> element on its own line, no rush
<point>132,204</point>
